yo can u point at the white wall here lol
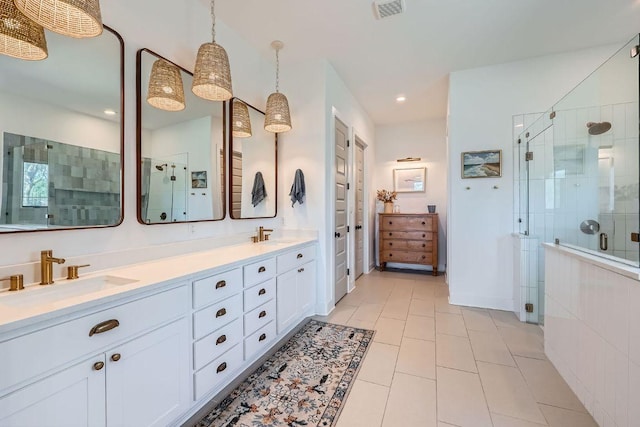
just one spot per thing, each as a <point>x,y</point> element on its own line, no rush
<point>427,140</point>
<point>482,103</point>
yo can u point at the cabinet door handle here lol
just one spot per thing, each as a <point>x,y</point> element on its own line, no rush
<point>221,312</point>
<point>221,284</point>
<point>98,366</point>
<point>300,270</point>
<point>300,256</point>
<point>116,356</point>
<point>262,270</point>
<point>105,326</point>
<point>262,337</point>
<point>221,367</point>
<point>262,291</point>
<point>221,339</point>
<point>262,314</point>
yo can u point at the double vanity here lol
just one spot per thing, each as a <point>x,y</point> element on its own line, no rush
<point>151,343</point>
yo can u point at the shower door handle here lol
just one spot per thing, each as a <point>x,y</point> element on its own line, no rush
<point>604,241</point>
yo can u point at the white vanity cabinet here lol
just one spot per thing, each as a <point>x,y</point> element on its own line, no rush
<point>295,286</point>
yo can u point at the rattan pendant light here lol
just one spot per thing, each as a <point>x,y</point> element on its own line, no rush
<point>74,18</point>
<point>277,118</point>
<point>166,91</point>
<point>20,37</point>
<point>241,124</point>
<point>212,74</point>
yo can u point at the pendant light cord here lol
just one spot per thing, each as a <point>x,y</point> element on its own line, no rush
<point>213,20</point>
<point>277,70</point>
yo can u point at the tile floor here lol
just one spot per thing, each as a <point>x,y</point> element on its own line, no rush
<point>436,364</point>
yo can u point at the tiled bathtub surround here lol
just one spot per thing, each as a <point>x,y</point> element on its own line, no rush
<point>592,333</point>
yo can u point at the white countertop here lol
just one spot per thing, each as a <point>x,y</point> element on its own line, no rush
<point>145,276</point>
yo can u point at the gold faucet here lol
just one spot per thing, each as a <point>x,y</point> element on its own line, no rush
<point>46,266</point>
<point>262,236</point>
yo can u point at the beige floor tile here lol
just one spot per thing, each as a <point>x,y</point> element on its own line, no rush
<point>412,402</point>
<point>558,417</point>
<point>461,399</point>
<point>422,307</point>
<point>425,291</point>
<point>402,290</point>
<point>389,331</point>
<point>362,324</point>
<point>396,308</point>
<point>504,421</point>
<point>507,393</point>
<point>441,291</point>
<point>454,352</point>
<point>417,357</point>
<point>368,312</point>
<point>547,385</point>
<point>504,318</point>
<point>478,320</point>
<point>442,305</point>
<point>355,297</point>
<point>489,347</point>
<point>451,324</point>
<point>379,364</point>
<point>420,327</point>
<point>341,314</point>
<point>364,406</point>
<point>523,341</point>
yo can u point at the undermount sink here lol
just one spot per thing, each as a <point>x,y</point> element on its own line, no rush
<point>61,290</point>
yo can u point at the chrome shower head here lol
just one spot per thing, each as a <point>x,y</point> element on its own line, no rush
<point>598,128</point>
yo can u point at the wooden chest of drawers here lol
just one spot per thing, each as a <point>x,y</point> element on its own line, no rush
<point>409,238</point>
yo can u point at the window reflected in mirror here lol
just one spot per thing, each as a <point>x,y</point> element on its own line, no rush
<point>181,146</point>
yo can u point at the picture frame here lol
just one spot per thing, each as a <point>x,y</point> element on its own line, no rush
<point>481,164</point>
<point>410,180</point>
<point>199,179</point>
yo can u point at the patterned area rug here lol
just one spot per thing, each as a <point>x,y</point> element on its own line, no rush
<point>305,383</point>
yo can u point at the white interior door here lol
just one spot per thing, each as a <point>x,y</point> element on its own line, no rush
<point>359,226</point>
<point>340,232</point>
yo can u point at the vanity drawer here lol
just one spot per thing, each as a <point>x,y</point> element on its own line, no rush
<point>215,373</point>
<point>215,288</point>
<point>259,294</point>
<point>213,345</point>
<point>219,314</point>
<point>259,271</point>
<point>259,341</point>
<point>296,258</point>
<point>259,317</point>
<point>30,355</point>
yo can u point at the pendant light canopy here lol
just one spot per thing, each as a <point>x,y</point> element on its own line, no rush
<point>212,74</point>
<point>166,91</point>
<point>241,125</point>
<point>20,37</point>
<point>74,18</point>
<point>277,118</point>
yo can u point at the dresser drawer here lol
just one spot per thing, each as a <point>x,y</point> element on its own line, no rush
<point>259,341</point>
<point>219,314</point>
<point>216,343</point>
<point>296,258</point>
<point>259,294</point>
<point>30,355</point>
<point>407,256</point>
<point>412,245</point>
<point>259,317</point>
<point>259,272</point>
<point>407,235</point>
<point>215,288</point>
<point>420,223</point>
<point>216,373</point>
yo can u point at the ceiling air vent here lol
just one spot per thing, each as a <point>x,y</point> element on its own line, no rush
<point>386,8</point>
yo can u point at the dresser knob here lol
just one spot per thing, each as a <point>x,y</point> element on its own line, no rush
<point>390,234</point>
<point>423,256</point>
<point>424,223</point>
<point>390,255</point>
<point>423,245</point>
<point>424,235</point>
<point>390,222</point>
<point>390,244</point>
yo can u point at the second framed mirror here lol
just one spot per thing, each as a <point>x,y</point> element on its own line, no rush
<point>180,146</point>
<point>253,166</point>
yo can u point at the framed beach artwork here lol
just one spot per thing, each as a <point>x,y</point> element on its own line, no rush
<point>482,164</point>
<point>409,180</point>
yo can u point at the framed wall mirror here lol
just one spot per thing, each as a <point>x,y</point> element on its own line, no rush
<point>62,135</point>
<point>253,166</point>
<point>180,146</point>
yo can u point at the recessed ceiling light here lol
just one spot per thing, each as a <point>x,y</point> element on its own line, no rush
<point>109,112</point>
<point>401,98</point>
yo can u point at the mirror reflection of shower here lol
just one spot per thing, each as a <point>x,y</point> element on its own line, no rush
<point>165,186</point>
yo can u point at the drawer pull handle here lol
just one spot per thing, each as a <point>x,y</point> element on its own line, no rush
<point>300,256</point>
<point>98,366</point>
<point>262,314</point>
<point>262,291</point>
<point>262,337</point>
<point>221,339</point>
<point>300,270</point>
<point>116,356</point>
<point>105,326</point>
<point>222,367</point>
<point>221,312</point>
<point>262,270</point>
<point>221,284</point>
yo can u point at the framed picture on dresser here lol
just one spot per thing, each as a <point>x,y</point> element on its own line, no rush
<point>409,180</point>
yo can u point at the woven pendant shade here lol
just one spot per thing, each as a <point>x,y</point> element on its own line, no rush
<point>277,118</point>
<point>74,18</point>
<point>212,74</point>
<point>19,36</point>
<point>166,91</point>
<point>241,122</point>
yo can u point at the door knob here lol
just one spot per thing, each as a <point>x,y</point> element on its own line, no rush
<point>337,235</point>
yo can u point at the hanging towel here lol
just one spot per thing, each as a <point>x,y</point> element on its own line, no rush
<point>258,193</point>
<point>298,189</point>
